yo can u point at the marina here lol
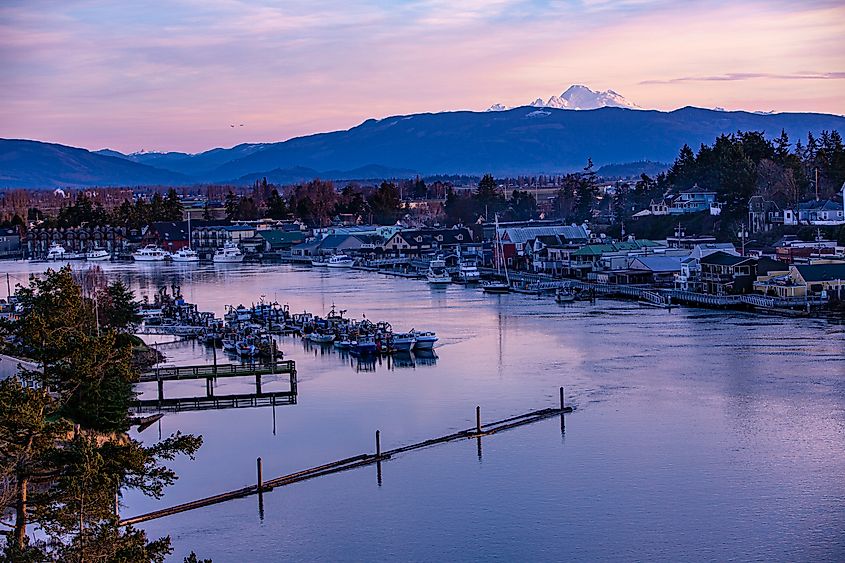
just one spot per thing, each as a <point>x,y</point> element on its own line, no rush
<point>679,384</point>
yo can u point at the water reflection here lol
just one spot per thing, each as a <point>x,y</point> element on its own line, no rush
<point>697,434</point>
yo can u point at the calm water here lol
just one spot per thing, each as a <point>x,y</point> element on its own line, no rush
<point>697,434</point>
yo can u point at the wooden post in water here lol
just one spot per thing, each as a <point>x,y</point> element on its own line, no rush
<point>257,383</point>
<point>478,420</point>
<point>214,354</point>
<point>160,389</point>
<point>378,444</point>
<point>260,474</point>
<point>562,418</point>
<point>209,387</point>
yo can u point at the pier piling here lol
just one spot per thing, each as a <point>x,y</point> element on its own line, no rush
<point>260,473</point>
<point>478,420</point>
<point>378,443</point>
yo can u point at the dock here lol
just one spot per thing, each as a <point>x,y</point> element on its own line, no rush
<point>209,373</point>
<point>479,431</point>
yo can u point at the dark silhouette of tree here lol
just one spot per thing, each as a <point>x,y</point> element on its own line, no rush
<point>385,204</point>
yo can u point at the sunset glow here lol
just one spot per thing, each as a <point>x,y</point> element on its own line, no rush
<point>178,75</point>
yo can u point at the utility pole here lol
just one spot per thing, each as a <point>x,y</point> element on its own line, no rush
<point>817,183</point>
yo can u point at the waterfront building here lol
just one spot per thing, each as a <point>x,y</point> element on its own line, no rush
<point>416,242</point>
<point>790,249</point>
<point>168,235</point>
<point>78,239</point>
<point>802,280</point>
<point>661,270</point>
<point>689,276</point>
<point>726,274</point>
<point>607,257</point>
<point>10,242</point>
<point>276,240</point>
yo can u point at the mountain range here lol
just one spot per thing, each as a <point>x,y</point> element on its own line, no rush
<point>524,140</point>
<point>578,97</point>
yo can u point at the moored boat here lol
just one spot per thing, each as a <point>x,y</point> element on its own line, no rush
<point>56,252</point>
<point>495,287</point>
<point>340,261</point>
<point>229,254</point>
<point>424,340</point>
<point>150,253</point>
<point>437,274</point>
<point>469,273</point>
<point>97,255</point>
<point>185,255</point>
<point>564,296</point>
<point>403,342</point>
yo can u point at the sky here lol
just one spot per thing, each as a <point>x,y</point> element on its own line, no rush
<point>175,75</point>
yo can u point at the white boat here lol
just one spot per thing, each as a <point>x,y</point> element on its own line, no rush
<point>185,255</point>
<point>56,252</point>
<point>403,342</point>
<point>564,296</point>
<point>97,255</point>
<point>150,253</point>
<point>230,253</point>
<point>319,262</point>
<point>437,274</point>
<point>424,340</point>
<point>469,273</point>
<point>340,261</point>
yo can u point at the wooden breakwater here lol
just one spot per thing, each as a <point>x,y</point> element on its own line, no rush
<point>261,486</point>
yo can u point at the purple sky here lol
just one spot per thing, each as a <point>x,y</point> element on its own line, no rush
<point>175,75</point>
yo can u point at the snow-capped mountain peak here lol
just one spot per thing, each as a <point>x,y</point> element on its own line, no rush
<point>578,97</point>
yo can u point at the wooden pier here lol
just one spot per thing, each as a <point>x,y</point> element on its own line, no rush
<point>477,432</point>
<point>210,373</point>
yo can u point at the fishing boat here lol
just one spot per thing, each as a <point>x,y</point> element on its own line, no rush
<point>497,286</point>
<point>320,337</point>
<point>185,255</point>
<point>229,254</point>
<point>340,261</point>
<point>437,274</point>
<point>564,296</point>
<point>56,252</point>
<point>403,342</point>
<point>424,340</point>
<point>319,262</point>
<point>150,253</point>
<point>469,273</point>
<point>246,349</point>
<point>97,255</point>
<point>364,345</point>
<point>343,343</point>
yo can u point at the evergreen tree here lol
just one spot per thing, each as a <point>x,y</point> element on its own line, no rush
<point>276,206</point>
<point>385,204</point>
<point>522,206</point>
